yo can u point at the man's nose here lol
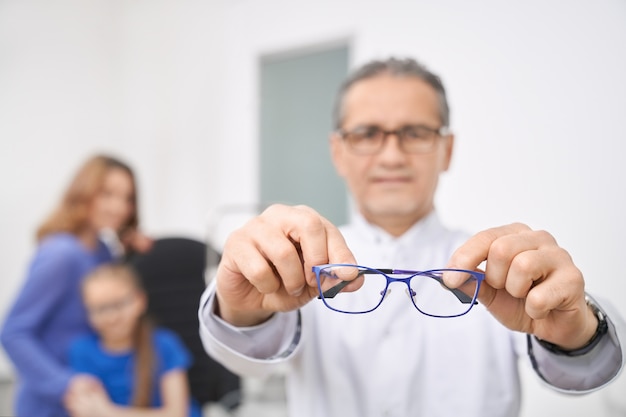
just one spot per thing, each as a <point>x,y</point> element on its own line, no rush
<point>392,144</point>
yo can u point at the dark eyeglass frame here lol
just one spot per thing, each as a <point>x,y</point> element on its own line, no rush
<point>113,307</point>
<point>377,137</point>
<point>386,272</point>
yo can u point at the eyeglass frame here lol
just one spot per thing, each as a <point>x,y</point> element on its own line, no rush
<point>399,133</point>
<point>460,295</point>
<point>114,307</point>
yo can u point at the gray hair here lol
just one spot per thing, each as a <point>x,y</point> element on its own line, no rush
<point>407,67</point>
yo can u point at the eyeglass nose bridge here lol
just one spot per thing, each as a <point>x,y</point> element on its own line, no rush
<point>384,293</point>
<point>390,280</point>
<point>410,292</point>
<point>462,297</point>
<point>399,137</point>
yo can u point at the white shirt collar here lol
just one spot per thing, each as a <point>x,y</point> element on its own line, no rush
<point>424,230</point>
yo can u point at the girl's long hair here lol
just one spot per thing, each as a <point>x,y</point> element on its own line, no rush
<point>72,213</point>
<point>143,384</point>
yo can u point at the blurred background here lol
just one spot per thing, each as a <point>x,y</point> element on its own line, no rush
<point>210,101</point>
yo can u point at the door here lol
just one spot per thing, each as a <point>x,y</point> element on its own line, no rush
<point>297,92</point>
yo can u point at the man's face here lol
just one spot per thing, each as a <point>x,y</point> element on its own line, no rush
<point>392,188</point>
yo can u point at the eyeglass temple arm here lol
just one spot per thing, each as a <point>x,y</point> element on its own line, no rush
<point>462,297</point>
<point>333,291</point>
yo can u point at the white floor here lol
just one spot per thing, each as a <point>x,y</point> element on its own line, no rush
<point>6,394</point>
<point>260,399</point>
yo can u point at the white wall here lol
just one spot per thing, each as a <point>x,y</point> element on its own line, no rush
<point>537,93</point>
<point>57,93</point>
<point>131,78</point>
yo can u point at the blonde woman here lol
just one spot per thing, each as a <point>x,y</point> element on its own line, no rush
<point>48,312</point>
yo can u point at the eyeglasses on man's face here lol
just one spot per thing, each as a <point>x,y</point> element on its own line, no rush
<point>426,289</point>
<point>370,139</point>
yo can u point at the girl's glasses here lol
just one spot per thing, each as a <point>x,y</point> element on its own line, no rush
<point>112,307</point>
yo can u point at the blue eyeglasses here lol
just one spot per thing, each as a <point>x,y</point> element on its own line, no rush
<point>426,289</point>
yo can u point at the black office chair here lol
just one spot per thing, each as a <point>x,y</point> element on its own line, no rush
<point>173,276</point>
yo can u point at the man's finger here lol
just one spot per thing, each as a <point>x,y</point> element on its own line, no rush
<point>319,240</point>
<point>476,250</point>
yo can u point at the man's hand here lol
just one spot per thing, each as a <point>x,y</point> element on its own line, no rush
<point>531,284</point>
<point>266,265</point>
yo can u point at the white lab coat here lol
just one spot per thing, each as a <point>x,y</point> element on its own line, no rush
<point>396,361</point>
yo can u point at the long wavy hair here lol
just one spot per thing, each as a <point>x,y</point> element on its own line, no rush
<point>143,385</point>
<point>72,213</point>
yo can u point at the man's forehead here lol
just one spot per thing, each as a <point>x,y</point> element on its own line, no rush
<point>387,99</point>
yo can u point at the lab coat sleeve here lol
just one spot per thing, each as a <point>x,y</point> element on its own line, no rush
<point>249,351</point>
<point>588,372</point>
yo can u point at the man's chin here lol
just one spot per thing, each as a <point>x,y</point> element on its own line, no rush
<point>392,211</point>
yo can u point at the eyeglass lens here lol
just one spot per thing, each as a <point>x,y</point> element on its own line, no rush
<point>113,307</point>
<point>425,289</point>
<point>371,139</point>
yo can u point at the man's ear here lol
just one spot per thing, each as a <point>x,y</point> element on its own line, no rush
<point>337,151</point>
<point>448,150</point>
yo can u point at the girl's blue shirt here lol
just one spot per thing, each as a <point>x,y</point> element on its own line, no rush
<point>116,370</point>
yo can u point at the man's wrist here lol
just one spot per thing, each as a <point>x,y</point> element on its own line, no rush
<point>601,330</point>
<point>238,318</point>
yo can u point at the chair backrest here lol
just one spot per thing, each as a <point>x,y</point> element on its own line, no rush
<point>173,275</point>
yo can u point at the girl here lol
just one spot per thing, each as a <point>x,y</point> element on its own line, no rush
<point>141,370</point>
<point>48,312</point>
